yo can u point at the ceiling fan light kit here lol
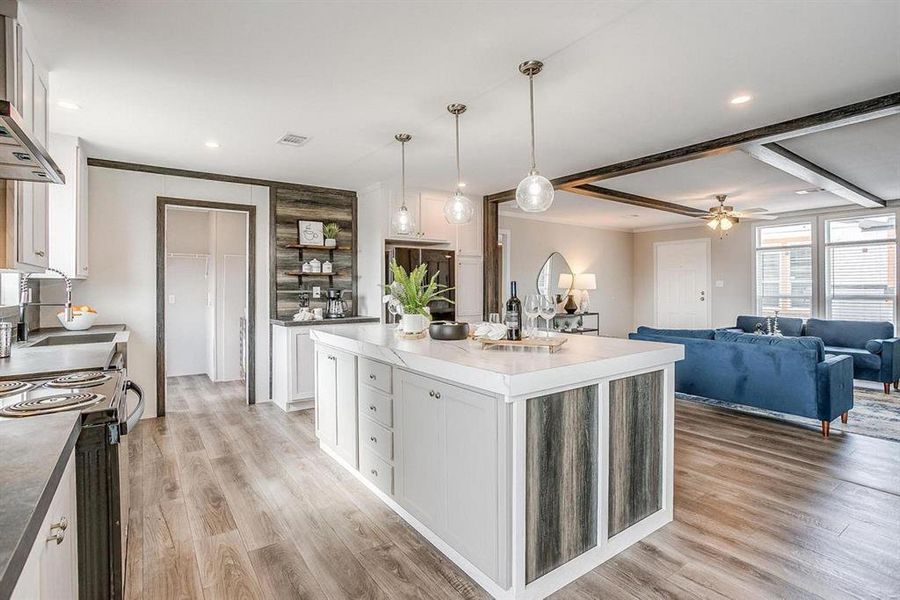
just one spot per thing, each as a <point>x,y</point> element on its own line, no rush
<point>458,209</point>
<point>535,192</point>
<point>402,221</point>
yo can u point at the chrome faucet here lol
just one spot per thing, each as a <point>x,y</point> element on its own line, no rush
<point>25,302</point>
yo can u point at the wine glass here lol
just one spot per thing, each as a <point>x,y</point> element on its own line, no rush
<point>532,309</point>
<point>547,310</point>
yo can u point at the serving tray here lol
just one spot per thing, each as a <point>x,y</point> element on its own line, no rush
<point>552,343</point>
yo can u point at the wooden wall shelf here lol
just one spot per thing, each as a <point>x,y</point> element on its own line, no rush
<point>313,247</point>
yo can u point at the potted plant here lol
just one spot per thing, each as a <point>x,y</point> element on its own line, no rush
<point>331,231</point>
<point>409,295</point>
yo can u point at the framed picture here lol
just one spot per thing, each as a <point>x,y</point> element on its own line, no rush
<point>310,232</point>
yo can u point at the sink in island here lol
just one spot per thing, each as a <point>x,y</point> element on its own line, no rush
<point>527,469</point>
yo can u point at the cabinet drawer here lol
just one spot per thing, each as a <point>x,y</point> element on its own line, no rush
<point>375,374</point>
<point>376,405</point>
<point>376,438</point>
<point>377,471</point>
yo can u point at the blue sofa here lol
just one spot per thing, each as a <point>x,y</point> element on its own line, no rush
<point>871,344</point>
<point>786,374</point>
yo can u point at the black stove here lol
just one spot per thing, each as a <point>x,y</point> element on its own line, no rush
<point>97,394</point>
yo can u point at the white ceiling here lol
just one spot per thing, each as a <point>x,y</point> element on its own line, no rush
<point>157,79</point>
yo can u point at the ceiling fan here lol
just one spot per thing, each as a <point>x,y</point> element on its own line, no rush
<point>723,217</point>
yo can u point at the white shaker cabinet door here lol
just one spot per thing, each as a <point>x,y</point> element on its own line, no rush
<point>347,437</point>
<point>302,379</point>
<point>326,396</point>
<point>469,285</point>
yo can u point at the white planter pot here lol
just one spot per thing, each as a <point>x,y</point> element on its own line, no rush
<point>413,323</point>
<point>330,243</point>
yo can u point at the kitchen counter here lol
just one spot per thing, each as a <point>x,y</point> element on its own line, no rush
<point>343,321</point>
<point>525,468</point>
<point>33,455</point>
<point>27,360</point>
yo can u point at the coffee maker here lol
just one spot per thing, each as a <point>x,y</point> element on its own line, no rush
<point>335,307</point>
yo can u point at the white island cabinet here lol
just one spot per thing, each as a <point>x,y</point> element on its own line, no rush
<point>526,469</point>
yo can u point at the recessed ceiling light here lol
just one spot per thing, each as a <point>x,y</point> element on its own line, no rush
<point>67,105</point>
<point>461,184</point>
<point>211,144</point>
<point>742,99</point>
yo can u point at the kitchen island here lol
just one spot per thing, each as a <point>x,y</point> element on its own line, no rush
<point>525,468</point>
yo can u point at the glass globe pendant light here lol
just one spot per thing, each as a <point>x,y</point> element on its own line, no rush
<point>458,209</point>
<point>535,192</point>
<point>402,221</point>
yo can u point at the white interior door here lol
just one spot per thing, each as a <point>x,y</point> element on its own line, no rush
<point>234,306</point>
<point>682,284</point>
<point>186,322</point>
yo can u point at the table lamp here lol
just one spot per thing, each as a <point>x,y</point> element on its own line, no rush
<point>585,282</point>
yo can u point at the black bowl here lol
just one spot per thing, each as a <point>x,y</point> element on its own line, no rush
<point>448,330</point>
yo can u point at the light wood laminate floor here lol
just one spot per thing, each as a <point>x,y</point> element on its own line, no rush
<point>231,501</point>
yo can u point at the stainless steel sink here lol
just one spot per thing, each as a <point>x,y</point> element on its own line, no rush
<point>75,338</point>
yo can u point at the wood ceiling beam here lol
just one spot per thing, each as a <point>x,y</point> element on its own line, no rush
<point>602,193</point>
<point>837,117</point>
<point>783,159</point>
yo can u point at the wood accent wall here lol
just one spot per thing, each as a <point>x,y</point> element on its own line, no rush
<point>295,203</point>
<point>635,449</point>
<point>561,484</point>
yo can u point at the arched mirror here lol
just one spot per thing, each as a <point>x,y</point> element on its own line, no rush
<point>549,282</point>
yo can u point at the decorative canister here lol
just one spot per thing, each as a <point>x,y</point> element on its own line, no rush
<point>315,266</point>
<point>326,267</point>
<point>305,268</point>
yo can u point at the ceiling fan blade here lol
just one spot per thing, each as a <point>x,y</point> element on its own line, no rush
<point>754,210</point>
<point>742,215</point>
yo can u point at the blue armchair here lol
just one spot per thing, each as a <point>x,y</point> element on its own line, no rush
<point>871,344</point>
<point>786,374</point>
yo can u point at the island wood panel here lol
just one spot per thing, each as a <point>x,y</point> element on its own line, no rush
<point>635,449</point>
<point>560,479</point>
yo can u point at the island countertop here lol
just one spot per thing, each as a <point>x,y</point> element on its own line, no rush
<point>511,372</point>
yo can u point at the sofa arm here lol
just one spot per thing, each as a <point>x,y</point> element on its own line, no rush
<point>834,381</point>
<point>890,360</point>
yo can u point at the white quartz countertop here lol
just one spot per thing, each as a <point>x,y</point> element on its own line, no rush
<point>511,372</point>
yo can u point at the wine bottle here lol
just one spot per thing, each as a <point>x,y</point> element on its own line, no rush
<point>513,315</point>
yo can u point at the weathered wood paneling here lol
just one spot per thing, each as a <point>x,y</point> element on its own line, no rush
<point>560,479</point>
<point>314,204</point>
<point>635,449</point>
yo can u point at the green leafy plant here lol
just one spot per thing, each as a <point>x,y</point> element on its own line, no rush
<point>331,231</point>
<point>410,292</point>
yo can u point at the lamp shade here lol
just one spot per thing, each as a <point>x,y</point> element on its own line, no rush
<point>565,281</point>
<point>585,281</point>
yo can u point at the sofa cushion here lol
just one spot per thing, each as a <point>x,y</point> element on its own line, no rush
<point>790,326</point>
<point>788,343</point>
<point>703,334</point>
<point>874,346</point>
<point>862,359</point>
<point>849,334</point>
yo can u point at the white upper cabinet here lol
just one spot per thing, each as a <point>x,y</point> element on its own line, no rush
<point>68,217</point>
<point>432,223</point>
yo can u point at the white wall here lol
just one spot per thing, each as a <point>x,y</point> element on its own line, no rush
<point>122,284</point>
<point>372,206</point>
<point>187,303</point>
<point>606,253</point>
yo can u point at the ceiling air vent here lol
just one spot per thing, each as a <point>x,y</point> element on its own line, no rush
<point>292,139</point>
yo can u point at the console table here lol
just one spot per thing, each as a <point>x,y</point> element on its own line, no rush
<point>577,323</point>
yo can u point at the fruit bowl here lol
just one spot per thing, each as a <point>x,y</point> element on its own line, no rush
<point>81,320</point>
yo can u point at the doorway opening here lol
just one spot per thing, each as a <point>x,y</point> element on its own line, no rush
<point>205,295</point>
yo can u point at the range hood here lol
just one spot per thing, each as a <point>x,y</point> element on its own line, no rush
<point>22,158</point>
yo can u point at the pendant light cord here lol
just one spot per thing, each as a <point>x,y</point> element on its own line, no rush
<point>403,174</point>
<point>458,175</point>
<point>531,101</point>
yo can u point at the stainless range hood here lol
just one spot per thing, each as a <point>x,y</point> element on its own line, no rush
<point>22,158</point>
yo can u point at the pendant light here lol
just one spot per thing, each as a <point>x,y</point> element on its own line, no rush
<point>458,209</point>
<point>402,222</point>
<point>535,192</point>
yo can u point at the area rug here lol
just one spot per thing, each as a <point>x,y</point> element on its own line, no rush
<point>874,413</point>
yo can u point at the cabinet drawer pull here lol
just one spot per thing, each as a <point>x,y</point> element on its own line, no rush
<point>437,395</point>
<point>39,252</point>
<point>373,439</point>
<point>372,376</point>
<point>374,472</point>
<point>61,527</point>
<point>373,408</point>
<point>431,393</point>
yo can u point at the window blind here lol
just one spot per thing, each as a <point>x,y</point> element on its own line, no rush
<point>784,270</point>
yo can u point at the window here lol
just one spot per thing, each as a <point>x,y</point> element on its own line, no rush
<point>784,270</point>
<point>861,268</point>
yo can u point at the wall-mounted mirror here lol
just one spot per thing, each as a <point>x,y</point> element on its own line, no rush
<point>548,280</point>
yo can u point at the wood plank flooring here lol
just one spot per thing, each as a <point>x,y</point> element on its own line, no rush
<point>231,501</point>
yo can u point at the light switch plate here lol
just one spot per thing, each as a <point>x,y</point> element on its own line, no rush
<point>317,292</point>
<point>720,283</point>
<point>171,298</point>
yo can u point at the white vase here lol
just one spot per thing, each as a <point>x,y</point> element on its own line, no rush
<point>330,242</point>
<point>413,323</point>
